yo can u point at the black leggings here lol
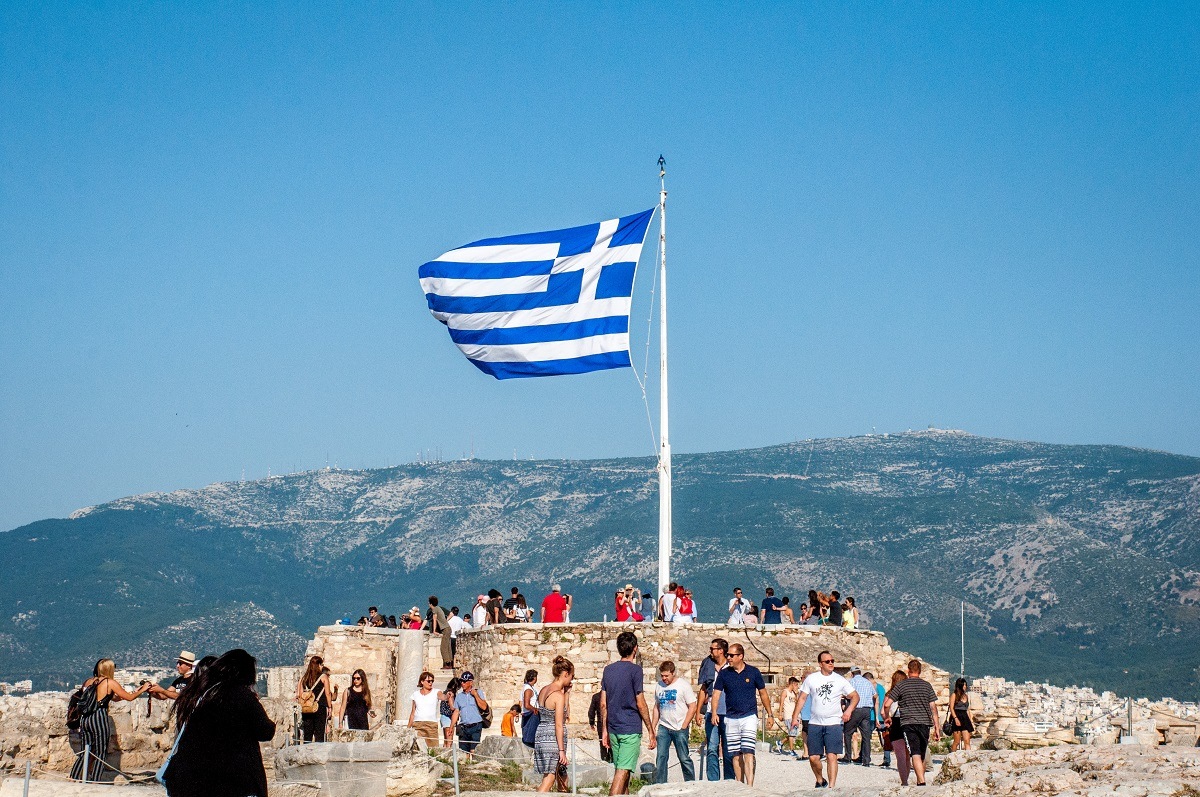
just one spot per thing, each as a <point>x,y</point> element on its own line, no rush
<point>313,725</point>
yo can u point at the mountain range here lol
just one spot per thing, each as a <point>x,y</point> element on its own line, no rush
<point>1074,564</point>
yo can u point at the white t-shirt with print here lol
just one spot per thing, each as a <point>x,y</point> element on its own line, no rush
<point>825,697</point>
<point>673,702</point>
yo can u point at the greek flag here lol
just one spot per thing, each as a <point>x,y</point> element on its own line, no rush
<point>542,303</point>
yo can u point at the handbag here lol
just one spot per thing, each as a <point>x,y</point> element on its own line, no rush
<point>529,725</point>
<point>948,727</point>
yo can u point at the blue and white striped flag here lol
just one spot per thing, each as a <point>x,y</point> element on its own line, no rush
<point>543,303</point>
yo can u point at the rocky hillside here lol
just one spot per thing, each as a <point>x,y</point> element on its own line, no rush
<point>1076,563</point>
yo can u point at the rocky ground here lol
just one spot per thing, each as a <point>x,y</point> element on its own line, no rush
<point>1092,771</point>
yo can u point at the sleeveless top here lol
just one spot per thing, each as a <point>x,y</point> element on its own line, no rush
<point>89,704</point>
<point>356,711</point>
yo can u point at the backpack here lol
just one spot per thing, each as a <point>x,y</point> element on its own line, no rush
<point>82,704</point>
<point>309,704</point>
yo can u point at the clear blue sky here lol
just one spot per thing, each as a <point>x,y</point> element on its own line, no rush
<point>882,216</point>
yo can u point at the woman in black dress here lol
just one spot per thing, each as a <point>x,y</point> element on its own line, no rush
<point>355,704</point>
<point>220,724</point>
<point>960,705</point>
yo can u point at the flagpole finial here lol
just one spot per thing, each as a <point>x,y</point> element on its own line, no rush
<point>662,166</point>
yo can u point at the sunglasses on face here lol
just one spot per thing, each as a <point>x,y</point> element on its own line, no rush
<point>825,661</point>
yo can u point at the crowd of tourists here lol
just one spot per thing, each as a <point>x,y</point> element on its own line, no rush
<point>833,718</point>
<point>826,717</point>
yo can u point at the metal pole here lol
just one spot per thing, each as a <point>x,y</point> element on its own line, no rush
<point>454,755</point>
<point>87,752</point>
<point>28,775</point>
<point>962,638</point>
<point>664,452</point>
<point>574,770</point>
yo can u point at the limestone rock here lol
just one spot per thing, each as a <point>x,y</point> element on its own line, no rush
<point>413,776</point>
<point>503,748</point>
<point>703,788</point>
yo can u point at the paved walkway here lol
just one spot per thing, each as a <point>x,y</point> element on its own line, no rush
<point>786,775</point>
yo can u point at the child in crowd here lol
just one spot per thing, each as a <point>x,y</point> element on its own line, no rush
<point>508,725</point>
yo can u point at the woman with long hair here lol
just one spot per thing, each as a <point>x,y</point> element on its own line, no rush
<point>960,713</point>
<point>849,614</point>
<point>316,684</point>
<point>895,739</point>
<point>94,724</point>
<point>521,612</point>
<point>355,704</point>
<point>550,743</point>
<point>446,710</point>
<point>220,724</point>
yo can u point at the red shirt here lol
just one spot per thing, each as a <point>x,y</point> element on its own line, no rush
<point>553,605</point>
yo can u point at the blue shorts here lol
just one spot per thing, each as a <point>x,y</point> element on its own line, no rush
<point>824,739</point>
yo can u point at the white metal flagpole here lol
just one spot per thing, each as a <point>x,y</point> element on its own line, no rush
<point>664,450</point>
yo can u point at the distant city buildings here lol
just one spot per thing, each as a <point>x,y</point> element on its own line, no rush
<point>1077,708</point>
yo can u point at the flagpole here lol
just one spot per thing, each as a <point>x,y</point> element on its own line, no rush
<point>664,450</point>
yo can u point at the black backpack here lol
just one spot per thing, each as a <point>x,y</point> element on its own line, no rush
<point>82,704</point>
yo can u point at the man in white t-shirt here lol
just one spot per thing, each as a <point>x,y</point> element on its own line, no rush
<point>667,603</point>
<point>825,689</point>
<point>738,607</point>
<point>456,624</point>
<point>675,707</point>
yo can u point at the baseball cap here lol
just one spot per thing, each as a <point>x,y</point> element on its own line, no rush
<point>482,598</point>
<point>467,675</point>
<point>855,670</point>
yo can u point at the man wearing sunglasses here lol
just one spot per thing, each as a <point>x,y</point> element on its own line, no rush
<point>740,683</point>
<point>825,730</point>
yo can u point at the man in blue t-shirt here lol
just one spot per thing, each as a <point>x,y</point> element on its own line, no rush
<point>467,718</point>
<point>740,683</point>
<point>770,608</point>
<point>623,711</point>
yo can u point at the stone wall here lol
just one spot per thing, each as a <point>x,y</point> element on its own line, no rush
<point>34,729</point>
<point>391,658</point>
<point>500,655</point>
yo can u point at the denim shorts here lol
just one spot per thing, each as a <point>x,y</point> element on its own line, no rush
<point>824,739</point>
